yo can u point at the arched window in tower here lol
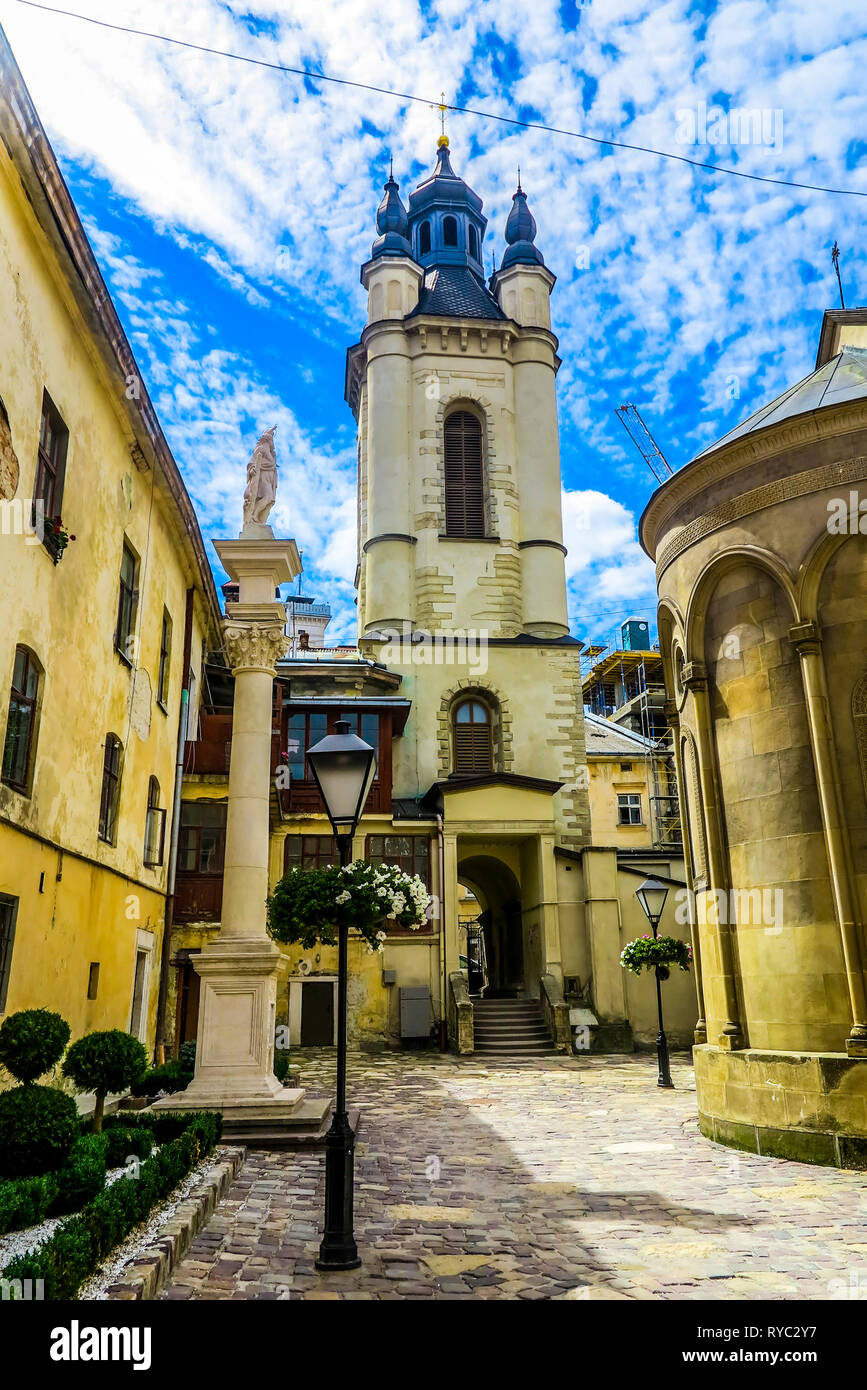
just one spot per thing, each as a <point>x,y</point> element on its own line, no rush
<point>464,475</point>
<point>450,231</point>
<point>474,242</point>
<point>473,743</point>
<point>424,239</point>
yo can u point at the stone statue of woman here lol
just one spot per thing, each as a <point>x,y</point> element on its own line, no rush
<point>261,491</point>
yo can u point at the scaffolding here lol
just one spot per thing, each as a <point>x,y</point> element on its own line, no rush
<point>627,687</point>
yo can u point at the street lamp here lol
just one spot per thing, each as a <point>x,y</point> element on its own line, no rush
<point>652,895</point>
<point>343,767</point>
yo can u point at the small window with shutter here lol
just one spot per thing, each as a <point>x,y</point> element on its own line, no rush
<point>474,749</point>
<point>464,474</point>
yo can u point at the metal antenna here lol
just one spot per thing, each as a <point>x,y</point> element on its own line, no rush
<point>835,258</point>
<point>630,418</point>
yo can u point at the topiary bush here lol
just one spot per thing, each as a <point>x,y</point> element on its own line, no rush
<point>105,1062</point>
<point>281,1065</point>
<point>25,1201</point>
<point>37,1128</point>
<point>187,1056</point>
<point>32,1041</point>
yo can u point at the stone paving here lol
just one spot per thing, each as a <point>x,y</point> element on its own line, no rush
<point>554,1179</point>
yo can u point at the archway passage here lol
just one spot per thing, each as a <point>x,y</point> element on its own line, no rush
<point>499,894</point>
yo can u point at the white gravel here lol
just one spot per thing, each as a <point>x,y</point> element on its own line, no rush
<point>93,1290</point>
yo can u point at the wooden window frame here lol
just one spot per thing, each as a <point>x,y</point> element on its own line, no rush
<point>156,841</point>
<point>468,756</point>
<point>311,856</point>
<point>50,464</point>
<point>20,698</point>
<point>127,605</point>
<point>109,801</point>
<point>402,861</point>
<point>464,475</point>
<point>194,832</point>
<point>165,667</point>
<point>8,922</point>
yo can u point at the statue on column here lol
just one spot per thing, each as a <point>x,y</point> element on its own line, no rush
<point>261,491</point>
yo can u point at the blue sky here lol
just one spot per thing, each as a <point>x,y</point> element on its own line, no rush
<point>231,207</point>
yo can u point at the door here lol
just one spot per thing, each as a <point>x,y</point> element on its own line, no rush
<point>317,1014</point>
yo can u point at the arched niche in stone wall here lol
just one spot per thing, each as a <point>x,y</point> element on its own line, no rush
<point>842,616</point>
<point>790,961</point>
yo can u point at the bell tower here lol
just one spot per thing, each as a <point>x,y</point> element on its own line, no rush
<point>453,388</point>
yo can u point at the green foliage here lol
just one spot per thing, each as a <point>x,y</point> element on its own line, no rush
<point>37,1127</point>
<point>104,1062</point>
<point>123,1142</point>
<point>281,1065</point>
<point>25,1201</point>
<point>32,1042</point>
<point>171,1076</point>
<point>78,1246</point>
<point>165,1125</point>
<point>648,953</point>
<point>308,905</point>
<point>187,1056</point>
<point>82,1175</point>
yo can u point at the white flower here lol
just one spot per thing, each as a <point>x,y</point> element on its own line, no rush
<point>343,897</point>
<point>380,936</point>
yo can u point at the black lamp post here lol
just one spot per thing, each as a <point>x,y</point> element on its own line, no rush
<point>652,895</point>
<point>343,766</point>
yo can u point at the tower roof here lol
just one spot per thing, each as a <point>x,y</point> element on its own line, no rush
<point>392,223</point>
<point>521,233</point>
<point>455,291</point>
<point>443,186</point>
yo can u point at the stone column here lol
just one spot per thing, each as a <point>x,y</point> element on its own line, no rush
<point>808,644</point>
<point>694,678</point>
<point>240,969</point>
<point>672,714</point>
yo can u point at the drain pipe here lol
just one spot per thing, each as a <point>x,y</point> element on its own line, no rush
<point>444,1019</point>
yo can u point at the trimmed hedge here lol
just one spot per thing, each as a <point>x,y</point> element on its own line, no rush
<point>37,1127</point>
<point>126,1141</point>
<point>28,1201</point>
<point>171,1076</point>
<point>78,1246</point>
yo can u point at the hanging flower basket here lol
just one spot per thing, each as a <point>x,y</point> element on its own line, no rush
<point>656,953</point>
<point>309,905</point>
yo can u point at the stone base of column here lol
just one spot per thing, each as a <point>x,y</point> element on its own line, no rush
<point>235,1047</point>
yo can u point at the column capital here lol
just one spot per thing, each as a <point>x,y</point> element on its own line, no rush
<point>805,637</point>
<point>254,646</point>
<point>672,713</point>
<point>693,675</point>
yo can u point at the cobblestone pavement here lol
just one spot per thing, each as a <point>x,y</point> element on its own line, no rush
<point>552,1179</point>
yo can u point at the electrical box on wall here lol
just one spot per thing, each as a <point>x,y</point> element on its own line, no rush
<point>415,1012</point>
<point>389,977</point>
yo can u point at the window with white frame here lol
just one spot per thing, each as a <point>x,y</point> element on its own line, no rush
<point>629,808</point>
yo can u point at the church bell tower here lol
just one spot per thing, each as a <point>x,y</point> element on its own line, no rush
<point>453,388</point>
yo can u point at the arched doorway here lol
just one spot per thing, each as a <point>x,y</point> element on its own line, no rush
<point>499,896</point>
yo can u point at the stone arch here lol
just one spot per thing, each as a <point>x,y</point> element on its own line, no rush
<point>859,717</point>
<point>773,843</point>
<point>483,408</point>
<point>812,572</point>
<point>501,710</point>
<point>841,620</point>
<point>708,582</point>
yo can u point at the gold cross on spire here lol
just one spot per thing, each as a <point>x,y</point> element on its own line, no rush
<point>441,106</point>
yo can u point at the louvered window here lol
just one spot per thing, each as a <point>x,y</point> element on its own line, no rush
<point>465,499</point>
<point>473,743</point>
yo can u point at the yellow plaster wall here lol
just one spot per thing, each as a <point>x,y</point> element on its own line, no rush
<point>66,614</point>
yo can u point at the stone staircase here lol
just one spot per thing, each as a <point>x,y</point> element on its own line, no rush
<point>511,1029</point>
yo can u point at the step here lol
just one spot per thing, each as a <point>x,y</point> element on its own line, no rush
<point>512,1033</point>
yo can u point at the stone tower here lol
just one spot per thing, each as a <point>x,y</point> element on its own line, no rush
<point>461,556</point>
